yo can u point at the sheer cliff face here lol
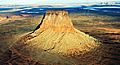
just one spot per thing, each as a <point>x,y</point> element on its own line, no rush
<point>58,21</point>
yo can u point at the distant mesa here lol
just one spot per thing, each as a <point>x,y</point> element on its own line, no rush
<point>2,18</point>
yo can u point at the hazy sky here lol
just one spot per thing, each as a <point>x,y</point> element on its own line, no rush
<point>41,2</point>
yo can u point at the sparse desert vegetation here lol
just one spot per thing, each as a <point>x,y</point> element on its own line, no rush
<point>99,26</point>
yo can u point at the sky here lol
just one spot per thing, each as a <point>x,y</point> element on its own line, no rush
<point>43,2</point>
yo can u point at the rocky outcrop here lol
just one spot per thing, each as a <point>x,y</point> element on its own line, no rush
<point>2,18</point>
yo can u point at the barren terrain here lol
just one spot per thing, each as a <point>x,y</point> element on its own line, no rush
<point>102,27</point>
